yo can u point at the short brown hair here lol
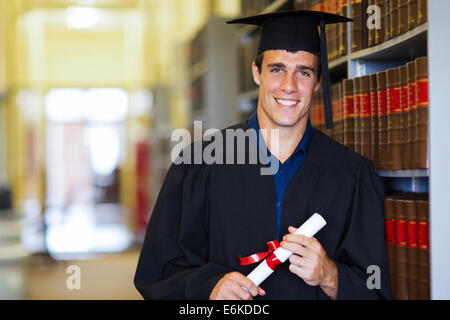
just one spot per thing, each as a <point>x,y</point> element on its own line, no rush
<point>259,60</point>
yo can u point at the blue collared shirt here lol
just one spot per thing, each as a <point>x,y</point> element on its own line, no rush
<point>287,169</point>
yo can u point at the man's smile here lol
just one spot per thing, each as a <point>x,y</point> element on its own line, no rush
<point>290,103</point>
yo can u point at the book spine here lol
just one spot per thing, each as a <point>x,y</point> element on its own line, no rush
<point>343,29</point>
<point>424,249</point>
<point>401,252</point>
<point>389,226</point>
<point>422,112</point>
<point>349,114</point>
<point>364,30</point>
<point>387,20</point>
<point>394,132</point>
<point>366,127</point>
<point>403,15</point>
<point>404,120</point>
<point>394,24</point>
<point>382,119</point>
<point>357,121</point>
<point>412,248</point>
<point>374,120</point>
<point>372,32</point>
<point>412,114</point>
<point>422,11</point>
<point>412,14</point>
<point>380,33</point>
<point>356,25</point>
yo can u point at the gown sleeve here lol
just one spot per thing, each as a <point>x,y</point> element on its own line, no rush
<point>364,242</point>
<point>173,263</point>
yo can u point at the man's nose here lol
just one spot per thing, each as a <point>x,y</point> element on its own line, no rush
<point>288,83</point>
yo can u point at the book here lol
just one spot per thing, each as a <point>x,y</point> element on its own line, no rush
<point>380,33</point>
<point>389,227</point>
<point>342,29</point>
<point>413,14</point>
<point>356,25</point>
<point>400,250</point>
<point>411,247</point>
<point>387,20</point>
<point>382,120</point>
<point>422,112</point>
<point>371,32</point>
<point>422,209</point>
<point>403,76</point>
<point>365,120</point>
<point>394,19</point>
<point>394,117</point>
<point>403,16</point>
<point>364,30</point>
<point>422,11</point>
<point>374,119</point>
<point>412,114</point>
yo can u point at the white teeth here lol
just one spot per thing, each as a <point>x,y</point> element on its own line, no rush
<point>286,102</point>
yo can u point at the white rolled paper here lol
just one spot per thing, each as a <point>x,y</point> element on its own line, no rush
<point>308,229</point>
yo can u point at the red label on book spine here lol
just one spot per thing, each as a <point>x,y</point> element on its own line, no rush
<point>357,104</point>
<point>349,111</point>
<point>422,235</point>
<point>400,232</point>
<point>393,97</point>
<point>373,103</point>
<point>404,98</point>
<point>365,104</point>
<point>389,224</point>
<point>412,95</point>
<point>382,102</point>
<point>411,230</point>
<point>422,92</point>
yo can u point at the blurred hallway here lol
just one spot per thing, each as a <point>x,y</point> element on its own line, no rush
<point>90,91</point>
<point>105,277</point>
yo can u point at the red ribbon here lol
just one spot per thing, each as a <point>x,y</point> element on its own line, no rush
<point>272,246</point>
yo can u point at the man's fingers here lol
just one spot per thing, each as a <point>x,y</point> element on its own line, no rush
<point>295,248</point>
<point>246,283</point>
<point>261,291</point>
<point>311,243</point>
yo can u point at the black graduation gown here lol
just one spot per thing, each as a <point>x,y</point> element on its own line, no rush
<point>208,215</point>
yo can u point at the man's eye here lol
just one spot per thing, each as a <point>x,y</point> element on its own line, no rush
<point>305,74</point>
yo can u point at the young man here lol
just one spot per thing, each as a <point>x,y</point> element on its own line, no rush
<point>208,216</point>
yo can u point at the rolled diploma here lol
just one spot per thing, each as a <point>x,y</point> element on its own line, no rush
<point>308,229</point>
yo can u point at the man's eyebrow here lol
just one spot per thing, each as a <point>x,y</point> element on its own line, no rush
<point>299,67</point>
<point>276,65</point>
<point>303,67</point>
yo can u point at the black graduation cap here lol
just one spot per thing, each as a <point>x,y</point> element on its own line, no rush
<point>294,31</point>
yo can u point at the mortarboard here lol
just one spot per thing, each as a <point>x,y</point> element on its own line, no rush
<point>294,31</point>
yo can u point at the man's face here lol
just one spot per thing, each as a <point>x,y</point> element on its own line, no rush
<point>287,82</point>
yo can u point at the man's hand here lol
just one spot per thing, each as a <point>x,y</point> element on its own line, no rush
<point>230,287</point>
<point>311,263</point>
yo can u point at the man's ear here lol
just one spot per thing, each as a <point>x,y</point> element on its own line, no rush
<point>256,74</point>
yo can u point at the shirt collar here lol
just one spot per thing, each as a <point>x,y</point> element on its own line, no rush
<point>304,143</point>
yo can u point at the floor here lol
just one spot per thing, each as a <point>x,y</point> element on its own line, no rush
<point>103,277</point>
